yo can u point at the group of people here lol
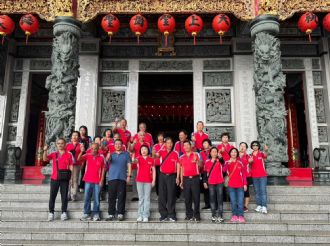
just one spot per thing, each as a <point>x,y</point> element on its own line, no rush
<point>189,166</point>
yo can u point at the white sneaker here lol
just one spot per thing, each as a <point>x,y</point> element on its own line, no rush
<point>145,219</point>
<point>139,219</point>
<point>264,210</point>
<point>50,217</point>
<point>258,209</point>
<point>64,216</point>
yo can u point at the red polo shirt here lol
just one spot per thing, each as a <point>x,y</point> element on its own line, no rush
<point>216,176</point>
<point>258,169</point>
<point>237,176</point>
<point>148,138</point>
<point>200,137</point>
<point>64,162</point>
<point>94,167</point>
<point>111,147</point>
<point>225,154</point>
<point>106,142</point>
<point>70,147</point>
<point>189,164</point>
<point>169,165</point>
<point>178,147</point>
<point>157,148</point>
<point>137,148</point>
<point>125,135</point>
<point>103,151</point>
<point>245,160</point>
<point>144,169</point>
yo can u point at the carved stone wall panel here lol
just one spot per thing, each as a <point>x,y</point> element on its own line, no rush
<point>296,50</point>
<point>165,65</point>
<point>12,132</point>
<point>217,65</point>
<point>320,107</point>
<point>15,99</point>
<point>112,105</point>
<point>114,65</point>
<point>323,134</point>
<point>40,65</point>
<point>34,51</point>
<point>217,79</point>
<point>18,64</point>
<point>325,156</point>
<point>218,106</point>
<point>17,79</point>
<point>89,47</point>
<point>293,64</point>
<point>113,79</point>
<point>317,77</point>
<point>316,64</point>
<point>216,131</point>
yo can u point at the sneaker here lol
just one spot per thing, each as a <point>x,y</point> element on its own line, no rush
<point>120,217</point>
<point>197,219</point>
<point>64,216</point>
<point>81,190</point>
<point>206,207</point>
<point>264,210</point>
<point>145,220</point>
<point>96,218</point>
<point>241,219</point>
<point>234,218</point>
<point>135,199</point>
<point>50,216</point>
<point>172,219</point>
<point>246,209</point>
<point>213,219</point>
<point>162,219</point>
<point>139,219</point>
<point>110,217</point>
<point>258,209</point>
<point>220,220</point>
<point>85,217</point>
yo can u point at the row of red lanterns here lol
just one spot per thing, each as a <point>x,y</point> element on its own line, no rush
<point>166,25</point>
<point>309,21</point>
<point>28,23</point>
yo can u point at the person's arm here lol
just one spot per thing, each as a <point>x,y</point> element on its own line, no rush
<point>181,176</point>
<point>178,173</point>
<point>153,176</point>
<point>243,170</point>
<point>44,156</point>
<point>102,175</point>
<point>265,151</point>
<point>129,172</point>
<point>82,150</point>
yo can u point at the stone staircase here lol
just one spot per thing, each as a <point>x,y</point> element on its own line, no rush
<point>297,215</point>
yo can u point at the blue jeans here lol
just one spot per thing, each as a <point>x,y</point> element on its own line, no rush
<point>236,200</point>
<point>144,190</point>
<point>92,189</point>
<point>260,188</point>
<point>216,199</point>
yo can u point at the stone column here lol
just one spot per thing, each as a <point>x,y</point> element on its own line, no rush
<point>60,118</point>
<point>269,84</point>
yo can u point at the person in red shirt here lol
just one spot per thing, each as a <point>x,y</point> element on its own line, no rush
<point>178,147</point>
<point>259,175</point>
<point>244,158</point>
<point>169,180</point>
<point>86,141</point>
<point>111,146</point>
<point>125,135</point>
<point>155,154</point>
<point>199,136</point>
<point>237,184</point>
<point>225,146</point>
<point>145,180</point>
<point>213,181</point>
<point>190,164</point>
<point>107,137</point>
<point>61,160</point>
<point>74,148</point>
<point>102,149</point>
<point>148,136</point>
<point>93,178</point>
<point>205,153</point>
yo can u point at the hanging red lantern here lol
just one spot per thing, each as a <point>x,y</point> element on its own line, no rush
<point>221,24</point>
<point>166,25</point>
<point>29,24</point>
<point>326,22</point>
<point>307,23</point>
<point>110,25</point>
<point>138,25</point>
<point>7,26</point>
<point>194,24</point>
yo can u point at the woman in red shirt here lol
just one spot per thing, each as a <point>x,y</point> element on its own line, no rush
<point>236,185</point>
<point>107,137</point>
<point>160,146</point>
<point>213,181</point>
<point>244,158</point>
<point>145,180</point>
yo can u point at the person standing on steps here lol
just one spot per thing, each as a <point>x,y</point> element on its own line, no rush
<point>205,153</point>
<point>199,136</point>
<point>259,175</point>
<point>62,166</point>
<point>160,146</point>
<point>244,158</point>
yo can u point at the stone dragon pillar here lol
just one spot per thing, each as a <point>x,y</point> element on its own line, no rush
<point>62,82</point>
<point>269,85</point>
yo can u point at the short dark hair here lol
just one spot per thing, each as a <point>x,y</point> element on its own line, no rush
<point>225,134</point>
<point>212,148</point>
<point>105,131</point>
<point>160,134</point>
<point>144,145</point>
<point>86,130</point>
<point>255,142</point>
<point>168,138</point>
<point>187,141</point>
<point>61,139</point>
<point>207,140</point>
<point>233,150</point>
<point>200,122</point>
<point>97,137</point>
<point>75,132</point>
<point>246,145</point>
<point>184,132</point>
<point>119,140</point>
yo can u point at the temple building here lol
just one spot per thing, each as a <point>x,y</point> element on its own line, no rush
<point>265,80</point>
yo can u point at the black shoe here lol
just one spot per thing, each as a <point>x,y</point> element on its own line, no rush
<point>188,219</point>
<point>110,218</point>
<point>197,219</point>
<point>206,207</point>
<point>135,199</point>
<point>162,219</point>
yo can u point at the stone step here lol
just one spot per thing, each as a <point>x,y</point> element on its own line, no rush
<point>171,235</point>
<point>37,214</point>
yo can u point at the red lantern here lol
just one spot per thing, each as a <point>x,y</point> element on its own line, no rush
<point>166,25</point>
<point>7,26</point>
<point>110,25</point>
<point>221,24</point>
<point>194,24</point>
<point>307,23</point>
<point>326,22</point>
<point>138,25</point>
<point>29,24</point>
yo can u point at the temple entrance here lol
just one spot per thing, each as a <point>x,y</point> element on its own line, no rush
<point>166,102</point>
<point>38,104</point>
<point>296,121</point>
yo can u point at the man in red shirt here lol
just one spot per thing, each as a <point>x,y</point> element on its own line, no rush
<point>125,134</point>
<point>94,175</point>
<point>225,146</point>
<point>111,146</point>
<point>148,136</point>
<point>190,183</point>
<point>169,179</point>
<point>61,160</point>
<point>178,147</point>
<point>199,136</point>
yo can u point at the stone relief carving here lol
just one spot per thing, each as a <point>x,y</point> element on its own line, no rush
<point>218,106</point>
<point>10,158</point>
<point>216,131</point>
<point>15,97</point>
<point>316,64</point>
<point>269,84</point>
<point>324,156</point>
<point>112,106</point>
<point>35,51</point>
<point>165,65</point>
<point>19,64</point>
<point>113,79</point>
<point>114,65</point>
<point>323,134</point>
<point>12,132</point>
<point>17,80</point>
<point>216,65</point>
<point>40,64</point>
<point>317,77</point>
<point>319,105</point>
<point>293,64</point>
<point>217,79</point>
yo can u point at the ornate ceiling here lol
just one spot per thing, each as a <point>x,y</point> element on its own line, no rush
<point>89,9</point>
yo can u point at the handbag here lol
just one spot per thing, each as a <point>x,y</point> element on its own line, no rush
<point>227,178</point>
<point>62,175</point>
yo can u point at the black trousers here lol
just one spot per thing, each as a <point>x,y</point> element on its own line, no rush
<point>216,199</point>
<point>82,173</point>
<point>191,191</point>
<point>205,193</point>
<point>167,195</point>
<point>157,179</point>
<point>117,190</point>
<point>55,185</point>
<point>247,192</point>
